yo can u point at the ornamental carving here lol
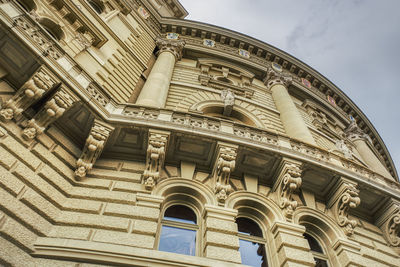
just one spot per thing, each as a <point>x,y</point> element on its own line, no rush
<point>344,149</point>
<point>224,166</point>
<point>228,97</point>
<point>388,219</point>
<point>393,229</point>
<point>94,145</point>
<point>27,95</point>
<point>353,132</point>
<point>288,181</point>
<point>155,157</point>
<point>170,45</point>
<point>52,110</point>
<point>274,77</point>
<point>344,198</point>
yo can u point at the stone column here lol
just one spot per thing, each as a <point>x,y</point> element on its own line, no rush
<point>220,238</point>
<point>291,119</point>
<point>155,90</point>
<point>360,140</point>
<point>291,248</point>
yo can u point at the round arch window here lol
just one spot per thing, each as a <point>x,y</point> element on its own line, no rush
<point>98,6</point>
<point>321,260</point>
<point>179,230</point>
<point>251,243</point>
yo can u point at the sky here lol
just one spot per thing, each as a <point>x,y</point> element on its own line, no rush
<point>353,43</point>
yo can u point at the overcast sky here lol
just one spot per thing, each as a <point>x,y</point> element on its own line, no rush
<point>354,43</point>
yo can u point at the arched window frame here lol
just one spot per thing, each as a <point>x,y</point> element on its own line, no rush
<point>318,255</point>
<point>180,225</point>
<point>256,239</point>
<point>97,6</point>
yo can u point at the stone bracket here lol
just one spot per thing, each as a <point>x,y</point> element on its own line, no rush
<point>54,108</point>
<point>344,196</point>
<point>287,182</point>
<point>156,149</point>
<point>389,221</point>
<point>223,167</point>
<point>34,89</point>
<point>228,97</point>
<point>94,145</point>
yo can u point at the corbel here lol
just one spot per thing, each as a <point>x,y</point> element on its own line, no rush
<point>287,182</point>
<point>155,156</point>
<point>228,97</point>
<point>34,89</point>
<point>344,197</point>
<point>388,219</point>
<point>54,108</point>
<point>223,167</point>
<point>94,145</point>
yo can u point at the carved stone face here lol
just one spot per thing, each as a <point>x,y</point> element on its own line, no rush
<point>6,114</point>
<point>29,133</point>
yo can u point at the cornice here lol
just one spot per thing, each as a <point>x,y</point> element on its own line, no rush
<point>262,54</point>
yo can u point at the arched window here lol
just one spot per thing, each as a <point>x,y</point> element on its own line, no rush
<point>179,230</point>
<point>28,5</point>
<point>98,6</point>
<point>320,258</point>
<point>251,243</point>
<point>52,28</point>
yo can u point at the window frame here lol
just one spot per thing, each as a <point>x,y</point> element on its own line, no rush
<point>180,225</point>
<point>318,255</point>
<point>256,239</point>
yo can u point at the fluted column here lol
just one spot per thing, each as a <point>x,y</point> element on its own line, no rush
<point>155,90</point>
<point>291,119</point>
<point>360,140</point>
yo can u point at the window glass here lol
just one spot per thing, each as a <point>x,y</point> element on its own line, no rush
<point>180,213</point>
<point>248,227</point>
<point>316,249</point>
<point>178,240</point>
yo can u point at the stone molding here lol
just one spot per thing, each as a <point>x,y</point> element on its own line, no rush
<point>353,132</point>
<point>94,145</point>
<point>156,149</point>
<point>224,165</point>
<point>274,77</point>
<point>34,89</point>
<point>173,46</point>
<point>287,182</point>
<point>344,197</point>
<point>54,108</point>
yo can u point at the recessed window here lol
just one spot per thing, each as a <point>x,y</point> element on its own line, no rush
<point>321,260</point>
<point>52,28</point>
<point>179,230</point>
<point>97,6</point>
<point>251,243</point>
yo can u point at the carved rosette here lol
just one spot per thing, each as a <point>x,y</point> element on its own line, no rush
<point>155,157</point>
<point>274,77</point>
<point>62,100</point>
<point>94,145</point>
<point>288,181</point>
<point>223,167</point>
<point>170,45</point>
<point>345,198</point>
<point>27,95</point>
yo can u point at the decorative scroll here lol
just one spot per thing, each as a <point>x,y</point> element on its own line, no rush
<point>274,77</point>
<point>27,95</point>
<point>288,181</point>
<point>344,198</point>
<point>62,100</point>
<point>224,166</point>
<point>94,145</point>
<point>393,229</point>
<point>155,157</point>
<point>388,219</point>
<point>228,97</point>
<point>171,45</point>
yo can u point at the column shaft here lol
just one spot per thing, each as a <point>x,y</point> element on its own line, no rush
<point>291,119</point>
<point>155,90</point>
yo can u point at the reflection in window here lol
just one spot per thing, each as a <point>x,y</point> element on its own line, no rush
<point>179,230</point>
<point>251,243</point>
<point>321,260</point>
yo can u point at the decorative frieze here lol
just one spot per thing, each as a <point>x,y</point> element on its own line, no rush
<point>343,198</point>
<point>287,182</point>
<point>94,145</point>
<point>388,219</point>
<point>223,167</point>
<point>174,46</point>
<point>28,94</point>
<point>157,146</point>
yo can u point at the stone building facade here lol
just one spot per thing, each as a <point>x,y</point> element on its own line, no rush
<point>130,136</point>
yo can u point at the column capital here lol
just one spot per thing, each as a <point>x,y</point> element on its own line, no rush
<point>170,45</point>
<point>274,77</point>
<point>353,132</point>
